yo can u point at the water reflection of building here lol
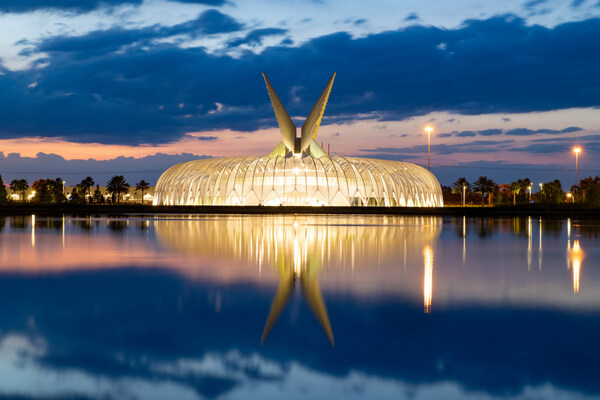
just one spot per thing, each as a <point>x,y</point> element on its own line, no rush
<point>299,247</point>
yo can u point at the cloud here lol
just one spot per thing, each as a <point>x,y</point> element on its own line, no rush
<point>412,17</point>
<point>255,37</point>
<point>531,4</point>
<point>490,132</point>
<point>17,6</point>
<point>511,132</point>
<point>479,146</point>
<point>126,86</point>
<point>77,6</point>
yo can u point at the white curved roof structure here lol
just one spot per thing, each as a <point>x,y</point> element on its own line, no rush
<point>298,173</point>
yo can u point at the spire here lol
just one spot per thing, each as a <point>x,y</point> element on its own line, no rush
<point>286,125</point>
<point>313,121</point>
<point>306,142</point>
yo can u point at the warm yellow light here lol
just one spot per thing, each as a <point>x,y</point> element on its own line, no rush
<point>428,129</point>
<point>576,150</point>
<point>569,195</point>
<point>428,279</point>
<point>576,258</point>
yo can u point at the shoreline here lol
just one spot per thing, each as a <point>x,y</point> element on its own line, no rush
<point>131,209</point>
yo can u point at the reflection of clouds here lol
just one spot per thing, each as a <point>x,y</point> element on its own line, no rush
<point>253,376</point>
<point>23,375</point>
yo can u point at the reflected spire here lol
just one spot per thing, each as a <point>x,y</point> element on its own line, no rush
<point>312,294</point>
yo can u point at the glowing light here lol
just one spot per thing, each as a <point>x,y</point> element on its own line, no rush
<point>577,150</point>
<point>577,256</point>
<point>428,279</point>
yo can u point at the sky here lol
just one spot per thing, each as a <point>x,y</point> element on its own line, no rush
<point>99,88</point>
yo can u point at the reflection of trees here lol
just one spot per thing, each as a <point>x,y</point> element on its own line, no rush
<point>117,225</point>
<point>2,223</point>
<point>19,222</point>
<point>83,224</point>
<point>552,227</point>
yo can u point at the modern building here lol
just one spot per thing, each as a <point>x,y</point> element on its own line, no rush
<point>298,173</point>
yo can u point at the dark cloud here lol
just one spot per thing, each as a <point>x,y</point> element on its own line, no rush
<point>154,92</point>
<point>506,119</point>
<point>531,4</point>
<point>577,3</point>
<point>490,132</point>
<point>476,146</point>
<point>511,132</point>
<point>528,132</point>
<point>444,135</point>
<point>71,5</point>
<point>520,132</point>
<point>80,5</point>
<point>360,21</point>
<point>109,40</point>
<point>412,17</point>
<point>255,37</point>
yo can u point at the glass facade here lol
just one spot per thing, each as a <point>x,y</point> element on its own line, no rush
<point>293,181</point>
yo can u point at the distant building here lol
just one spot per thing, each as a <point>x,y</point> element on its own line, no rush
<point>298,172</point>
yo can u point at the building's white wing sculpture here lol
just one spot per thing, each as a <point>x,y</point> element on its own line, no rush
<point>286,125</point>
<point>313,121</point>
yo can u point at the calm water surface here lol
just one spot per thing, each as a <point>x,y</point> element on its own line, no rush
<point>320,307</point>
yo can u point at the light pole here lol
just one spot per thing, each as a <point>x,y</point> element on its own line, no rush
<point>464,194</point>
<point>541,188</point>
<point>576,150</point>
<point>529,193</point>
<point>428,129</point>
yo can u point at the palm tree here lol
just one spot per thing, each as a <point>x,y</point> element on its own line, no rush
<point>87,184</point>
<point>143,186</point>
<point>3,194</point>
<point>117,185</point>
<point>19,185</point>
<point>484,185</point>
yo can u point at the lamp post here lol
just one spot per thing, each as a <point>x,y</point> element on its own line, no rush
<point>428,129</point>
<point>541,188</point>
<point>576,150</point>
<point>464,194</point>
<point>529,193</point>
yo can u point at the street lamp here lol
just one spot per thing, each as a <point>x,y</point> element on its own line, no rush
<point>464,194</point>
<point>576,150</point>
<point>428,129</point>
<point>529,193</point>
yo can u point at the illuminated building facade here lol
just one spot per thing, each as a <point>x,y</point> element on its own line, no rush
<point>298,173</point>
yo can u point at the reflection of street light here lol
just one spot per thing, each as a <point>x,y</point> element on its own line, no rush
<point>576,150</point>
<point>464,194</point>
<point>428,129</point>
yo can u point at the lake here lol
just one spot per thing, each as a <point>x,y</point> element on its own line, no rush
<point>298,307</point>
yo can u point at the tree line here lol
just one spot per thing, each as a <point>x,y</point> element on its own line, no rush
<point>52,190</point>
<point>485,191</point>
